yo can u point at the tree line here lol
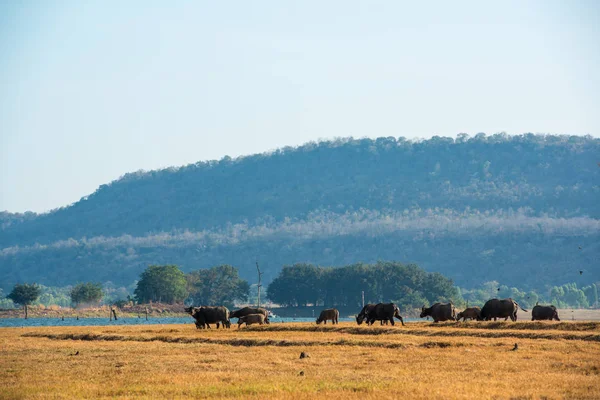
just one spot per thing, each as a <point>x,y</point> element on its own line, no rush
<point>405,284</point>
<point>300,285</point>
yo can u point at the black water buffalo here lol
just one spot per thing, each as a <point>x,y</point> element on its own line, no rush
<point>242,312</point>
<point>362,315</point>
<point>495,308</point>
<point>331,314</point>
<point>206,315</point>
<point>544,313</point>
<point>439,312</point>
<point>383,312</point>
<point>469,313</point>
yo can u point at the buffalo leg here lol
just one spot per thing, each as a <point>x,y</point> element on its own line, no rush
<point>401,320</point>
<point>392,321</point>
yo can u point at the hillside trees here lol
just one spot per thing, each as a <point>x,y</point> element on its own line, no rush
<point>469,208</point>
<point>86,293</point>
<point>216,286</point>
<point>161,283</point>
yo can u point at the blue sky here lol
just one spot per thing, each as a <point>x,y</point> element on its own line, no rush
<point>91,90</point>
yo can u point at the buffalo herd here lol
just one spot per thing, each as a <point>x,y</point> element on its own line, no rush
<point>219,315</point>
<point>382,312</point>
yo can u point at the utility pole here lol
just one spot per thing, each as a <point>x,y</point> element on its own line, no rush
<point>259,282</point>
<point>363,299</point>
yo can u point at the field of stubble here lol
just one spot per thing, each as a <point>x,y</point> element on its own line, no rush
<point>420,361</point>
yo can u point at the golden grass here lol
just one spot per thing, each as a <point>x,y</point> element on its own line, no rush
<point>419,361</point>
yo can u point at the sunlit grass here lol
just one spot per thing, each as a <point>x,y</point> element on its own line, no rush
<point>178,361</point>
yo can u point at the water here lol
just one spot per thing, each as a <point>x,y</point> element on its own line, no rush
<point>22,322</point>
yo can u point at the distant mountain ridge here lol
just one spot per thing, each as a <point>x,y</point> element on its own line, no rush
<point>340,194</point>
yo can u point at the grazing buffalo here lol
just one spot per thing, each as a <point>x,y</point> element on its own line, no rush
<point>206,315</point>
<point>544,313</point>
<point>362,315</point>
<point>251,319</point>
<point>330,313</point>
<point>469,313</point>
<point>242,312</point>
<point>439,312</point>
<point>505,308</point>
<point>383,312</point>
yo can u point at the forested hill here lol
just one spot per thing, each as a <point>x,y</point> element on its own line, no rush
<point>466,207</point>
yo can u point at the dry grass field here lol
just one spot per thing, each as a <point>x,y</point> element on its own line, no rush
<point>420,361</point>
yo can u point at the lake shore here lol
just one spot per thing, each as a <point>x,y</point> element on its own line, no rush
<point>130,311</point>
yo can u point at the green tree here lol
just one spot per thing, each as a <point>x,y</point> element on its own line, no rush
<point>406,285</point>
<point>217,286</point>
<point>297,285</point>
<point>86,293</point>
<point>25,294</point>
<point>161,283</point>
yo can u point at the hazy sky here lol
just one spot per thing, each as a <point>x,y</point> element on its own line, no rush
<point>90,90</point>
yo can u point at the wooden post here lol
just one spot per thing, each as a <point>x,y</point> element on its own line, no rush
<point>25,311</point>
<point>146,313</point>
<point>259,282</point>
<point>114,313</point>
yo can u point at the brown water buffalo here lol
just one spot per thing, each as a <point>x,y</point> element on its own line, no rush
<point>330,313</point>
<point>206,315</point>
<point>439,312</point>
<point>251,319</point>
<point>242,312</point>
<point>469,313</point>
<point>495,308</point>
<point>544,313</point>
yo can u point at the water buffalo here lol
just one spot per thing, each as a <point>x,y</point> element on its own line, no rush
<point>251,319</point>
<point>382,312</point>
<point>505,308</point>
<point>199,324</point>
<point>206,315</point>
<point>469,313</point>
<point>544,313</point>
<point>242,312</point>
<point>439,312</point>
<point>330,313</point>
<point>362,316</point>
